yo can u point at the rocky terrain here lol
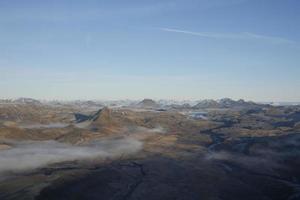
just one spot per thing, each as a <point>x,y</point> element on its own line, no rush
<point>214,150</point>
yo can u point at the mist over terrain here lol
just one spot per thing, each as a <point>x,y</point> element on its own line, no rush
<point>27,155</point>
<point>39,126</point>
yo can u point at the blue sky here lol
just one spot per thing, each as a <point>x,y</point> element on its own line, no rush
<point>170,49</point>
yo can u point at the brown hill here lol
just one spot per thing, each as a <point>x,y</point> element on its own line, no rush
<point>103,117</point>
<point>104,121</point>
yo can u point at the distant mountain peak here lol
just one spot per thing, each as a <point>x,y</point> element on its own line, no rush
<point>27,101</point>
<point>148,103</point>
<point>208,103</point>
<point>225,103</point>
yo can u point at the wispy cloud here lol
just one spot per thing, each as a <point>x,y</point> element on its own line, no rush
<point>240,36</point>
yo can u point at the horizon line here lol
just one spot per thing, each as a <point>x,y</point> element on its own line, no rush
<point>139,99</point>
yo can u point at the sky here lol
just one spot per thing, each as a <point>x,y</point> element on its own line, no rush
<point>160,49</point>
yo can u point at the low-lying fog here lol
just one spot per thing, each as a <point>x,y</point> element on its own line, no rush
<point>34,154</point>
<point>40,126</point>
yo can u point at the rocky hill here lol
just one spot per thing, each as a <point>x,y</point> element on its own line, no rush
<point>148,103</point>
<point>226,103</point>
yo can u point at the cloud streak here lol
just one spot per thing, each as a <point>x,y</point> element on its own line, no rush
<point>239,36</point>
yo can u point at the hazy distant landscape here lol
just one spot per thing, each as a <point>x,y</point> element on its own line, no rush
<point>209,149</point>
<point>149,100</point>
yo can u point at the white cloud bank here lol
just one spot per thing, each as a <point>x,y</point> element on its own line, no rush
<point>32,154</point>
